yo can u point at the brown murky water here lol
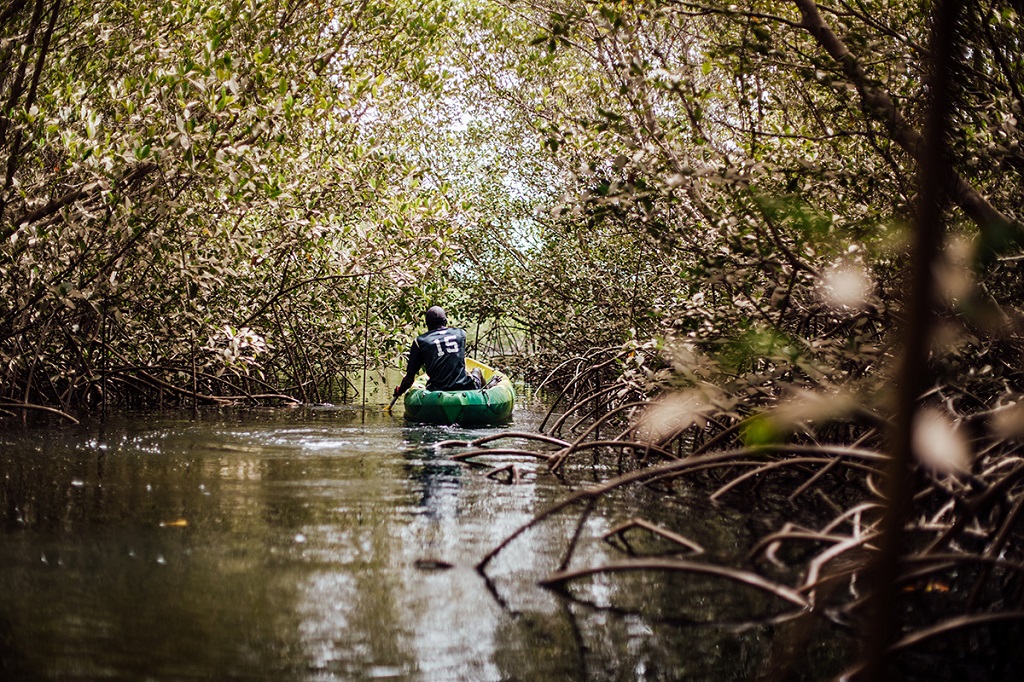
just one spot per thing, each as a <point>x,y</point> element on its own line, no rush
<point>327,544</point>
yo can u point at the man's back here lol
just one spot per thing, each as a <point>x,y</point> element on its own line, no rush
<point>442,353</point>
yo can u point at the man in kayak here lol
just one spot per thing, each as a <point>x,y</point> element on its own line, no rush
<point>442,353</point>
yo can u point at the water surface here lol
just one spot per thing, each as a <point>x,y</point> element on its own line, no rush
<point>326,543</point>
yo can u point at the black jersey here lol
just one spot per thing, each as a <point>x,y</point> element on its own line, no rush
<point>442,353</point>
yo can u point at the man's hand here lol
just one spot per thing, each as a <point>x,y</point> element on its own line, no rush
<point>397,392</point>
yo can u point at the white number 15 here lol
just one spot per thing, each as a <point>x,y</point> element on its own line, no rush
<point>450,345</point>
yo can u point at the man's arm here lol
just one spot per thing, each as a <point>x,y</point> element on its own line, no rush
<point>415,362</point>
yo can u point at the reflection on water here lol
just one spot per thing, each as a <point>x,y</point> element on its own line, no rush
<point>315,544</point>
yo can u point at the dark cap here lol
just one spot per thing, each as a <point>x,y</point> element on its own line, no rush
<point>436,317</point>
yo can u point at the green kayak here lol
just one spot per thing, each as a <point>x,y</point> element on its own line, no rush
<point>489,405</point>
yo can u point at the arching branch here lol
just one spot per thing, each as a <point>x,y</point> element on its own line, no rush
<point>996,227</point>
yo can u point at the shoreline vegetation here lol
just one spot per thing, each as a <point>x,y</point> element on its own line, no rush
<point>733,242</point>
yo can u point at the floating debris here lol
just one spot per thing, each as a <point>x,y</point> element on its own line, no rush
<point>433,565</point>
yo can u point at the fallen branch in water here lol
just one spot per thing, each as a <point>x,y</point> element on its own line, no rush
<point>559,578</point>
<point>40,408</point>
<point>677,467</point>
<point>465,456</point>
<point>511,471</point>
<point>619,531</point>
<point>511,434</point>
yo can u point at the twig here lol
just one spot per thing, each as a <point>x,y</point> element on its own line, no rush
<point>678,539</point>
<point>745,577</point>
<point>41,408</point>
<point>464,456</point>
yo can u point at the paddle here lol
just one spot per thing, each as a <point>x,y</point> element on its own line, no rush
<point>393,401</point>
